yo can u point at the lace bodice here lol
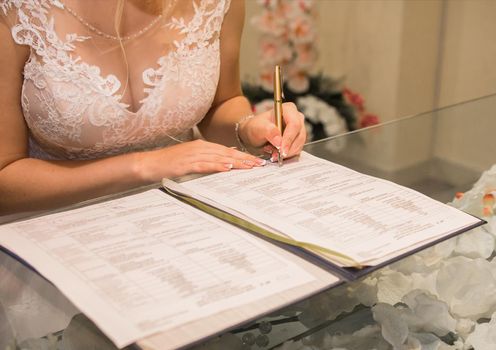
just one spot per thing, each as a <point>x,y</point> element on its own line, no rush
<point>72,96</point>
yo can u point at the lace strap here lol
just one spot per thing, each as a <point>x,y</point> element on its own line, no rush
<point>205,24</point>
<point>5,6</point>
<point>34,26</point>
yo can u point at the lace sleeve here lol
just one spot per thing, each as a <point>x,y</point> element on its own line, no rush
<point>4,6</point>
<point>7,16</point>
<point>17,14</point>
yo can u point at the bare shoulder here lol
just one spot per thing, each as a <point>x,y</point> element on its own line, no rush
<point>235,10</point>
<point>232,25</point>
<point>13,56</point>
<point>13,131</point>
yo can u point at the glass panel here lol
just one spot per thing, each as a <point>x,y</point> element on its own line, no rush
<point>438,153</point>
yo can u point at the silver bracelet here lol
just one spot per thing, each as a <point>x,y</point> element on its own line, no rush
<point>242,146</point>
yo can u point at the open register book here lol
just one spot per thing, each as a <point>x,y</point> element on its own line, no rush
<point>334,216</point>
<point>153,269</point>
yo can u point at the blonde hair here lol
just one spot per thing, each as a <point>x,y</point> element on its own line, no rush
<point>155,7</point>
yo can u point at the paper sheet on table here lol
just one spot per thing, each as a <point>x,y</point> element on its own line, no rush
<point>312,200</point>
<point>148,263</point>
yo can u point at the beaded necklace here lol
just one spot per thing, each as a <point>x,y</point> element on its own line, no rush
<point>114,37</point>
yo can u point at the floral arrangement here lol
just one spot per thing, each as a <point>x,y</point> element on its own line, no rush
<point>288,37</point>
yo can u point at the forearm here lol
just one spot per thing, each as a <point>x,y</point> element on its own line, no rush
<point>218,125</point>
<point>32,184</point>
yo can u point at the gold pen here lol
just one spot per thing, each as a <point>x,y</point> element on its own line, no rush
<point>278,97</point>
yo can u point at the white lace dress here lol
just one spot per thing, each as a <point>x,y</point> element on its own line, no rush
<point>81,101</point>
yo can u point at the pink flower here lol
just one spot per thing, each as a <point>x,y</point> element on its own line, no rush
<point>267,80</point>
<point>296,78</point>
<point>354,99</point>
<point>357,101</point>
<point>287,39</point>
<point>271,4</point>
<point>270,22</point>
<point>301,30</point>
<point>286,8</point>
<point>305,5</point>
<point>305,56</point>
<point>369,119</point>
<point>298,82</point>
<point>274,51</point>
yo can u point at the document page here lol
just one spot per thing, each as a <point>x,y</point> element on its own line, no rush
<point>314,200</point>
<point>147,263</point>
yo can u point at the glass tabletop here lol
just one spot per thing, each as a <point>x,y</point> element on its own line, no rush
<point>440,298</point>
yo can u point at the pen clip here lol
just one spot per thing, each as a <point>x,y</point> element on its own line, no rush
<point>281,82</point>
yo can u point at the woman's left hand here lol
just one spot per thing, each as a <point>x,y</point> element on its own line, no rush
<point>261,131</point>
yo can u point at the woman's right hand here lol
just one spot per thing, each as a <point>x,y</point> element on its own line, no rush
<point>194,157</point>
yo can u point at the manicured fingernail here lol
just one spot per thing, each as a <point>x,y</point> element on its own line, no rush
<point>285,151</point>
<point>228,166</point>
<point>272,159</point>
<point>261,162</point>
<point>277,141</point>
<point>284,154</point>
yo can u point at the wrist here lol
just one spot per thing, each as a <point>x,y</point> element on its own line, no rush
<point>240,132</point>
<point>140,168</point>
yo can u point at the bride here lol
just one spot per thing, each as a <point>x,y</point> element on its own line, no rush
<point>102,96</point>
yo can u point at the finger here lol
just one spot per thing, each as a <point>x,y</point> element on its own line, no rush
<point>293,128</point>
<point>275,156</point>
<point>237,154</point>
<point>207,148</point>
<point>262,131</point>
<point>299,141</point>
<point>272,135</point>
<point>269,149</point>
<point>290,112</point>
<point>244,157</point>
<point>246,163</point>
<point>234,154</point>
<point>289,106</point>
<point>298,144</point>
<point>205,167</point>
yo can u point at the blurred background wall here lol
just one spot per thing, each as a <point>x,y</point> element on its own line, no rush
<point>405,57</point>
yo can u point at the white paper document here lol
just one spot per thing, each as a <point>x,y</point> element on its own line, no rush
<point>313,200</point>
<point>147,263</point>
